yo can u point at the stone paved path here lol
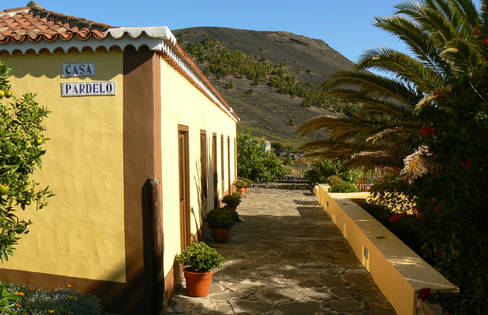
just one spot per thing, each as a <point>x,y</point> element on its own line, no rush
<point>286,257</point>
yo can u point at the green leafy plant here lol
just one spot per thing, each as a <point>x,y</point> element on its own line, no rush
<point>199,257</point>
<point>232,200</point>
<point>254,162</point>
<point>343,187</point>
<point>21,147</point>
<point>8,300</point>
<point>334,179</point>
<point>222,218</point>
<point>336,173</point>
<point>243,182</point>
<point>32,301</point>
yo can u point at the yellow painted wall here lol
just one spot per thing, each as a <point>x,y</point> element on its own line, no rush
<point>182,103</point>
<point>396,269</point>
<point>81,232</point>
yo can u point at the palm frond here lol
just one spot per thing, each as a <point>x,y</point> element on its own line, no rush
<point>468,11</point>
<point>372,83</point>
<point>402,66</point>
<point>416,40</point>
<point>484,16</point>
<point>417,164</point>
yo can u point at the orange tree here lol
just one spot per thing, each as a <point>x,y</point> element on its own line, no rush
<point>21,140</point>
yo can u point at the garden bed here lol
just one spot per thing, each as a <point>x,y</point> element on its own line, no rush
<point>397,270</point>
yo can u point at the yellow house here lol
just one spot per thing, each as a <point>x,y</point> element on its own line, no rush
<point>141,147</point>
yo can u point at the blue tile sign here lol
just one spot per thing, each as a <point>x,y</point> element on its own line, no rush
<point>78,70</point>
<point>88,88</point>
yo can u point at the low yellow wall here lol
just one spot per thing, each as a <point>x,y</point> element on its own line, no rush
<point>81,232</point>
<point>396,269</point>
<point>182,103</point>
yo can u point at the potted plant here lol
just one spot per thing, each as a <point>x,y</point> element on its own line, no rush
<point>199,260</point>
<point>232,201</point>
<point>248,183</point>
<point>241,186</point>
<point>220,220</point>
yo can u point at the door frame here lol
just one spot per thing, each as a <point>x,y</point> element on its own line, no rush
<point>185,226</point>
<point>215,170</point>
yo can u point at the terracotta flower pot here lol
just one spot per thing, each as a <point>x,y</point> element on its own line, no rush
<point>220,235</point>
<point>198,283</point>
<point>242,191</point>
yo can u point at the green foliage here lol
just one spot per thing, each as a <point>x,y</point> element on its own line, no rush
<point>222,62</point>
<point>222,218</point>
<point>334,179</point>
<point>254,162</point>
<point>232,200</point>
<point>453,196</point>
<point>249,91</point>
<point>8,300</point>
<point>21,140</point>
<point>229,85</point>
<point>199,257</point>
<point>22,300</point>
<point>243,182</point>
<point>322,169</point>
<point>343,187</point>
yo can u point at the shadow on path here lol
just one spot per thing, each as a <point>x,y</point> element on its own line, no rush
<point>286,257</point>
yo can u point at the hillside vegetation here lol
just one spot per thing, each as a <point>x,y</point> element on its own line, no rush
<point>271,94</point>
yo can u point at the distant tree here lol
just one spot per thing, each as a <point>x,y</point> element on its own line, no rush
<point>229,85</point>
<point>254,162</point>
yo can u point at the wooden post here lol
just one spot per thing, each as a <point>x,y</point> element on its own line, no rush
<point>154,246</point>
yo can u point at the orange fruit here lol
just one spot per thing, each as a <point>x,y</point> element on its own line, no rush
<point>4,189</point>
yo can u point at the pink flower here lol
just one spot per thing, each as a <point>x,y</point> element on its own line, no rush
<point>424,294</point>
<point>425,131</point>
<point>395,218</point>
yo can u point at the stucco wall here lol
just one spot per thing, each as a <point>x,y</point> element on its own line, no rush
<point>81,232</point>
<point>183,104</point>
<point>397,270</point>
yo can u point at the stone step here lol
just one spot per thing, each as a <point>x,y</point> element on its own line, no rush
<point>288,186</point>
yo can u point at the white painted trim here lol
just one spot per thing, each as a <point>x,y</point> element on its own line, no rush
<point>155,38</point>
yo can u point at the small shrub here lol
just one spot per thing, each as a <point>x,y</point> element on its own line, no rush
<point>334,179</point>
<point>232,200</point>
<point>222,218</point>
<point>343,187</point>
<point>199,257</point>
<point>249,91</point>
<point>24,300</point>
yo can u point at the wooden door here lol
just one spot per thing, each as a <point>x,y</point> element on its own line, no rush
<point>214,167</point>
<point>184,180</point>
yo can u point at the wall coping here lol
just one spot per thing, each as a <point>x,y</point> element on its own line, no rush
<point>410,265</point>
<point>396,269</point>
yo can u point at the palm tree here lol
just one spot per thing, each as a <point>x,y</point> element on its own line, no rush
<point>443,37</point>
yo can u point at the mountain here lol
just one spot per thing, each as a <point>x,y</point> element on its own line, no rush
<point>284,66</point>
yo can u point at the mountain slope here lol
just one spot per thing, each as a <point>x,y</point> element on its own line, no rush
<point>264,111</point>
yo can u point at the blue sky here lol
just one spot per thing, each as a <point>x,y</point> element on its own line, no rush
<point>346,25</point>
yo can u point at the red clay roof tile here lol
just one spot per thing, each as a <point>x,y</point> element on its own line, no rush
<point>36,24</point>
